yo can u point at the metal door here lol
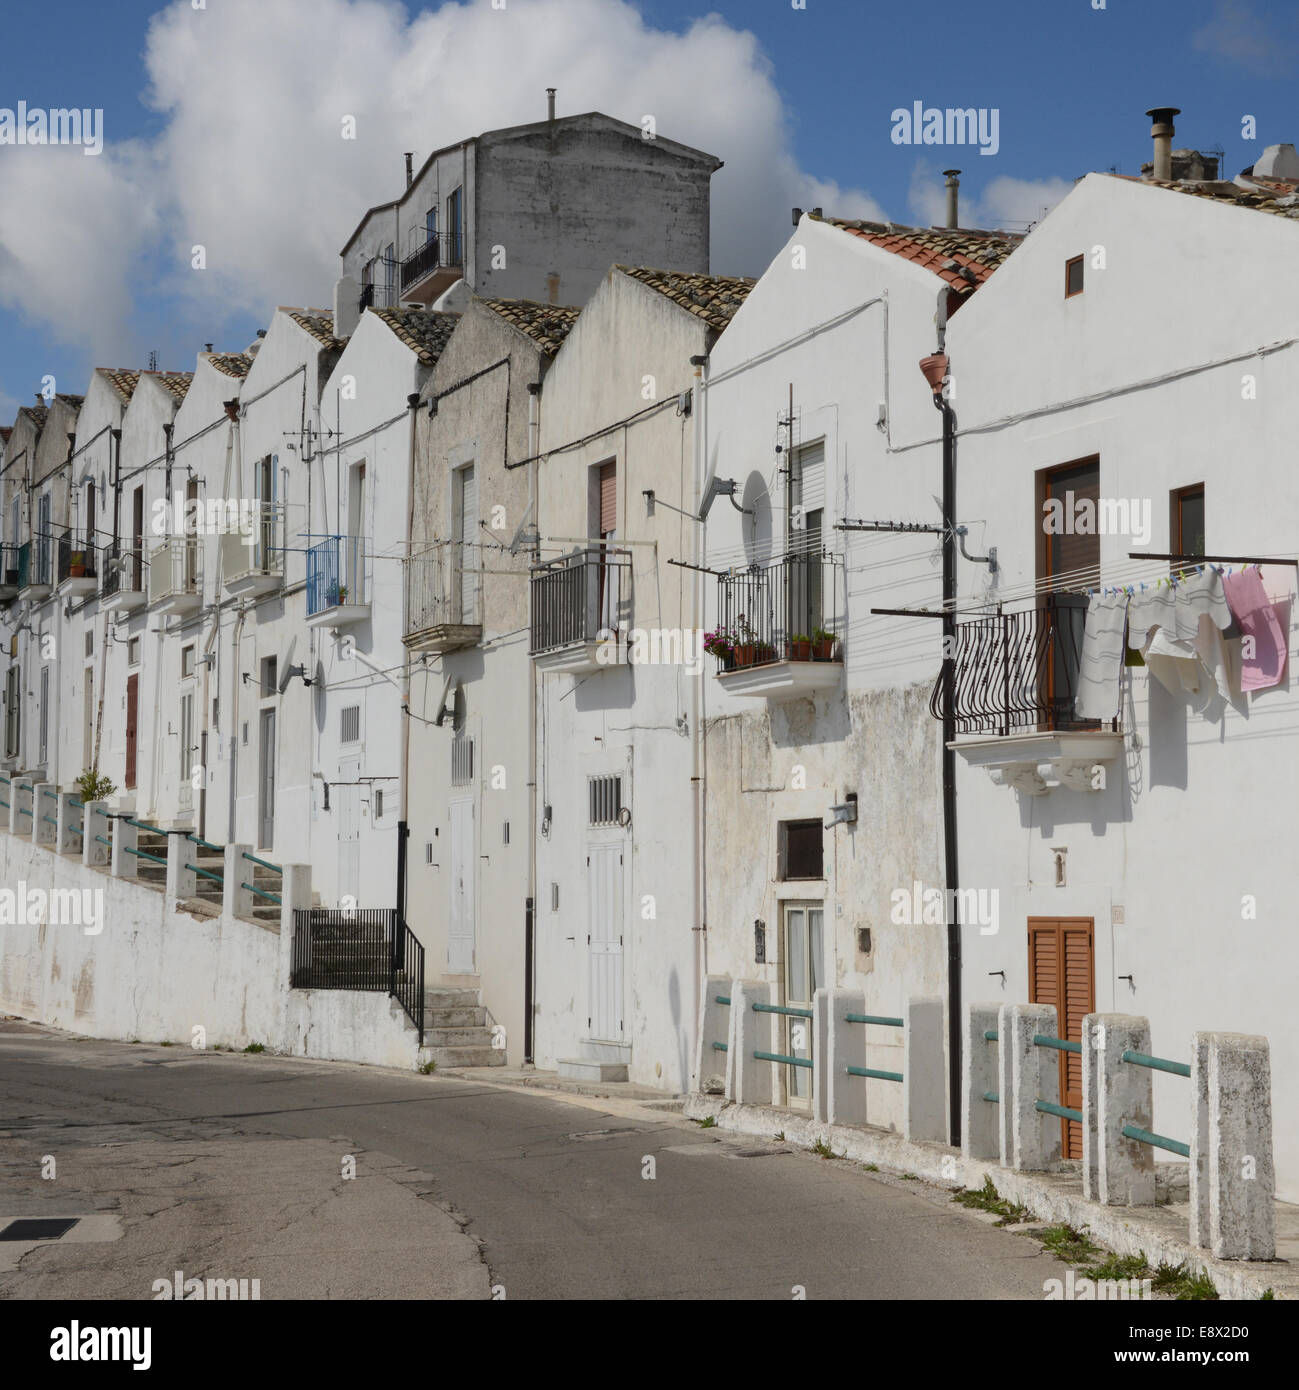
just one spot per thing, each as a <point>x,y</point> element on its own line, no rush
<point>460,937</point>
<point>604,942</point>
<point>348,795</point>
<point>266,816</point>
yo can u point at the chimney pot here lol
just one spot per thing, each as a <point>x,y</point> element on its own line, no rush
<point>1162,131</point>
<point>410,168</point>
<point>207,347</point>
<point>953,197</point>
<point>550,103</point>
<point>798,216</point>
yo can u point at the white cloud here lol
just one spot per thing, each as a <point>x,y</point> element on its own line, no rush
<point>250,163</point>
<point>1004,202</point>
<point>1238,35</point>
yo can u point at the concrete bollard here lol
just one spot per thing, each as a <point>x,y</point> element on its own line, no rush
<point>67,834</point>
<point>1034,1075</point>
<point>1121,1170</point>
<point>95,823</point>
<point>182,881</point>
<point>748,1081</point>
<point>236,900</point>
<point>844,1047</point>
<point>44,832</point>
<point>1232,1178</point>
<point>20,805</point>
<point>924,1071</point>
<point>125,838</point>
<point>980,1075</point>
<point>714,1024</point>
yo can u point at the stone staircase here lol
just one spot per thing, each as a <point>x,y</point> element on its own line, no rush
<point>599,1061</point>
<point>455,1030</point>
<point>152,842</point>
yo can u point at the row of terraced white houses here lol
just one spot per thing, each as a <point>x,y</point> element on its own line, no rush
<point>456,506</point>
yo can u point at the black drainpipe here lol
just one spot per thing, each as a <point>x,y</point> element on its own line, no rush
<point>951,869</point>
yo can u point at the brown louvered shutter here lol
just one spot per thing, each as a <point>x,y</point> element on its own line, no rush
<point>1061,972</point>
<point>132,708</point>
<point>608,498</point>
<point>1069,552</point>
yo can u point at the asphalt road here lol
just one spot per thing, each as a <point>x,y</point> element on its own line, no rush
<point>227,1166</point>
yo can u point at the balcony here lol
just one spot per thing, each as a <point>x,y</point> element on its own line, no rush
<point>444,608</point>
<point>77,570</point>
<point>336,592</point>
<point>175,569</point>
<point>122,587</point>
<point>1014,681</point>
<point>776,634</point>
<point>435,267</point>
<point>10,561</point>
<point>580,604</point>
<point>252,563</point>
<point>34,569</point>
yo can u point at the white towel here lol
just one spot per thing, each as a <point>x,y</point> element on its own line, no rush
<point>1102,657</point>
<point>1179,630</point>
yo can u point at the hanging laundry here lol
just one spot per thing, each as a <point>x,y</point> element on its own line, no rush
<point>1101,670</point>
<point>1263,640</point>
<point>1178,627</point>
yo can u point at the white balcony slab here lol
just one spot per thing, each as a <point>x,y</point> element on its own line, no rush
<point>782,680</point>
<point>122,601</point>
<point>340,615</point>
<point>1018,760</point>
<point>77,586</point>
<point>444,637</point>
<point>581,658</point>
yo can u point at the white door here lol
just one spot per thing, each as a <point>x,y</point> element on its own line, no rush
<point>467,505</point>
<point>604,941</point>
<point>266,810</point>
<point>803,977</point>
<point>187,750</point>
<point>460,937</point>
<point>349,831</point>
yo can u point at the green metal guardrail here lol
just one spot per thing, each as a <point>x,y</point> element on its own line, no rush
<point>206,844</point>
<point>780,1057</point>
<point>53,796</point>
<point>207,873</point>
<point>103,840</point>
<point>1140,1059</point>
<point>881,1020</point>
<point>1062,1112</point>
<point>275,868</point>
<point>1060,1044</point>
<point>76,830</point>
<point>50,820</point>
<point>1157,1141</point>
<point>23,811</point>
<point>782,1009</point>
<point>992,1096</point>
<point>873,1073</point>
<point>722,999</point>
<point>991,1035</point>
<point>5,804</point>
<point>144,854</point>
<point>140,825</point>
<point>72,801</point>
<point>259,892</point>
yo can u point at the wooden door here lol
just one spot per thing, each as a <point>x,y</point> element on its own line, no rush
<point>132,705</point>
<point>1062,971</point>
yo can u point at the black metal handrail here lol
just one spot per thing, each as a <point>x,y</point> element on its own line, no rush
<point>72,552</point>
<point>1019,672</point>
<point>128,575</point>
<point>362,949</point>
<point>442,249</point>
<point>579,598</point>
<point>775,611</point>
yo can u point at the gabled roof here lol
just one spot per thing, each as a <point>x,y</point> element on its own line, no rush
<point>319,323</point>
<point>174,383</point>
<point>945,251</point>
<point>423,331</point>
<point>1281,202</point>
<point>713,298</point>
<point>5,432</point>
<point>122,380</point>
<point>76,402</point>
<point>235,364</point>
<point>37,414</point>
<point>546,324</point>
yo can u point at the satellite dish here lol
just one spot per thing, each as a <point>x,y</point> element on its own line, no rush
<point>319,696</point>
<point>289,673</point>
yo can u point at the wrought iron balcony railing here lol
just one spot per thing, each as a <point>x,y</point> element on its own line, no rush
<point>1018,672</point>
<point>335,573</point>
<point>33,564</point>
<point>10,565</point>
<point>583,597</point>
<point>123,570</point>
<point>444,588</point>
<point>76,558</point>
<point>442,250</point>
<point>790,609</point>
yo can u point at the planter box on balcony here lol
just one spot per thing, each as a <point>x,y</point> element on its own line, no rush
<point>781,680</point>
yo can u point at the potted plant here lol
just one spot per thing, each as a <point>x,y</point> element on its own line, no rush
<point>77,565</point>
<point>331,596</point>
<point>342,593</point>
<point>763,652</point>
<point>721,645</point>
<point>745,643</point>
<point>800,647</point>
<point>822,644</point>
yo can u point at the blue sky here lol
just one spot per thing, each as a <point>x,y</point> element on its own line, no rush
<point>93,264</point>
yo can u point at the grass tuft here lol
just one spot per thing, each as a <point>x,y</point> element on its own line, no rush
<point>987,1198</point>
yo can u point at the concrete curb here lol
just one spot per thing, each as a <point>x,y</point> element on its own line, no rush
<point>1160,1234</point>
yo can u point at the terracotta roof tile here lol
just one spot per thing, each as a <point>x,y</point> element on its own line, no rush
<point>1283,201</point>
<point>5,432</point>
<point>946,252</point>
<point>76,402</point>
<point>174,383</point>
<point>713,298</point>
<point>235,364</point>
<point>424,332</point>
<point>320,324</point>
<point>546,324</point>
<point>122,380</point>
<point>37,414</point>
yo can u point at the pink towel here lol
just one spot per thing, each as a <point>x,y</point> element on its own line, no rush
<point>1263,641</point>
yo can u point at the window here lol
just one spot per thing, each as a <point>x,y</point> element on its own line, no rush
<point>1073,277</point>
<point>90,513</point>
<point>1186,524</point>
<point>390,273</point>
<point>462,761</point>
<point>430,226</point>
<point>13,707</point>
<point>378,803</point>
<point>350,724</point>
<point>186,661</point>
<point>1066,547</point>
<point>90,641</point>
<point>133,652</point>
<point>45,716</point>
<point>270,673</point>
<point>605,799</point>
<point>799,849</point>
<point>455,207</point>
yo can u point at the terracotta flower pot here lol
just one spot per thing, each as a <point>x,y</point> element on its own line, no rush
<point>744,653</point>
<point>823,649</point>
<point>800,651</point>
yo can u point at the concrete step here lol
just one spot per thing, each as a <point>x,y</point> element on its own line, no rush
<point>456,1037</point>
<point>438,995</point>
<point>591,1069</point>
<point>464,1056</point>
<point>454,1016</point>
<point>604,1051</point>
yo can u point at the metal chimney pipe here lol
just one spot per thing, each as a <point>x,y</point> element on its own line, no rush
<point>550,103</point>
<point>410,169</point>
<point>1163,133</point>
<point>953,197</point>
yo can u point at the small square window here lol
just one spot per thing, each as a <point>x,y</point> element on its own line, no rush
<point>378,803</point>
<point>1073,277</point>
<point>133,651</point>
<point>90,641</point>
<point>270,674</point>
<point>187,661</point>
<point>800,847</point>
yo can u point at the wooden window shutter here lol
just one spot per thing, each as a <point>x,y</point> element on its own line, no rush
<point>608,498</point>
<point>1074,551</point>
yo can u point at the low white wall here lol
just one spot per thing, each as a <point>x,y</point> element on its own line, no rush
<point>349,1026</point>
